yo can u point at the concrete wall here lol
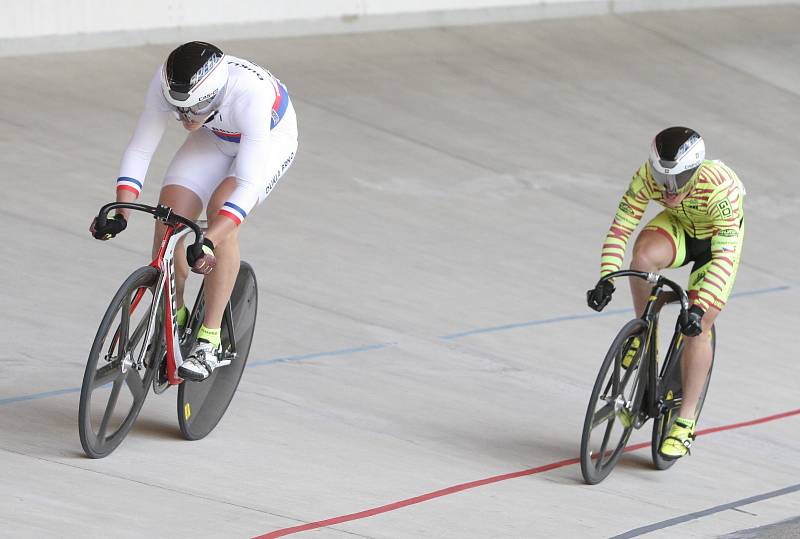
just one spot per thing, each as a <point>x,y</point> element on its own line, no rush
<point>26,18</point>
<point>34,26</point>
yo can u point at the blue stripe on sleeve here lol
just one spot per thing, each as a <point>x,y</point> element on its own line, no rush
<point>235,207</point>
<point>132,180</point>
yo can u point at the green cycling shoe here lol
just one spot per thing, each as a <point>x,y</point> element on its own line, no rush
<point>679,439</point>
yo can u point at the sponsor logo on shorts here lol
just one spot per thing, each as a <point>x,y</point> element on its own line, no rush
<point>278,174</point>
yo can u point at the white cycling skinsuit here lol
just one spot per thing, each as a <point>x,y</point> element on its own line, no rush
<point>252,136</point>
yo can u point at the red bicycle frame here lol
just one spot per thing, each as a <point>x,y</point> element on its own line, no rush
<point>176,228</point>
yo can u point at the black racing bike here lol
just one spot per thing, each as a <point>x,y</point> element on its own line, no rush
<point>624,399</point>
<point>139,345</point>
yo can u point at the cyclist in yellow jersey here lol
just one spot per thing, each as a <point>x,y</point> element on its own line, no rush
<point>703,223</point>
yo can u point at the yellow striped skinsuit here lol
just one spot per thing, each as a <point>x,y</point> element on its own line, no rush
<point>707,228</point>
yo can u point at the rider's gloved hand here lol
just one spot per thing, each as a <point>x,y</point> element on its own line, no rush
<point>599,296</point>
<point>111,228</point>
<point>201,257</point>
<point>694,322</point>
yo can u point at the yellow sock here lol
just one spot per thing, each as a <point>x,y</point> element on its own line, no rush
<point>209,335</point>
<point>182,316</point>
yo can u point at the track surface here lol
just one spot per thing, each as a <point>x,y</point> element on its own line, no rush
<point>422,272</point>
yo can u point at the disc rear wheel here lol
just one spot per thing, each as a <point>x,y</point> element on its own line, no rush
<point>201,405</point>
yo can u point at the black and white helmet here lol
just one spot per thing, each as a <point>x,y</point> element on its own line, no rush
<point>675,156</point>
<point>193,75</point>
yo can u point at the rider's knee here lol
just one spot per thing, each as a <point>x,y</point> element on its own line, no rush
<point>651,252</point>
<point>220,196</point>
<point>699,343</point>
<point>643,259</point>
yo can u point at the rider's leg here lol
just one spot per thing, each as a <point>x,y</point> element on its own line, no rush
<point>206,354</point>
<point>192,176</point>
<point>186,203</point>
<point>695,363</point>
<point>652,252</point>
<point>660,245</point>
<point>219,283</point>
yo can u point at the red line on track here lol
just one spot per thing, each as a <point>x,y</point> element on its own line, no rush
<point>494,479</point>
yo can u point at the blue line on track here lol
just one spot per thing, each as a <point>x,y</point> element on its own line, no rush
<point>568,318</point>
<point>380,346</point>
<point>760,291</point>
<point>699,514</point>
<point>343,352</point>
<point>40,395</point>
<point>533,323</point>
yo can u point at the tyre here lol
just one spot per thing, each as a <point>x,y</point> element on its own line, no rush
<point>120,367</point>
<point>609,415</point>
<point>672,395</point>
<point>201,405</point>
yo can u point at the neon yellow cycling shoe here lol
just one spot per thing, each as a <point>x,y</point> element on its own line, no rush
<point>679,439</point>
<point>630,354</point>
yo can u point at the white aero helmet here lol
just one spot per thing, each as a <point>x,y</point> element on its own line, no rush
<point>193,75</point>
<point>675,156</point>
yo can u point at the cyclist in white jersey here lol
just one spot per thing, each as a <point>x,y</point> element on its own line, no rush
<point>242,139</point>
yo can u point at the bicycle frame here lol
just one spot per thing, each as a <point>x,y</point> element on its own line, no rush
<point>648,400</point>
<point>165,263</point>
<point>177,228</point>
<point>652,406</point>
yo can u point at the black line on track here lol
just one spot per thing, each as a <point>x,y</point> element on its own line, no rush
<point>706,512</point>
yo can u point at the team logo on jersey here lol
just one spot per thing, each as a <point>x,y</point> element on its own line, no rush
<point>699,278</point>
<point>724,208</point>
<point>624,207</point>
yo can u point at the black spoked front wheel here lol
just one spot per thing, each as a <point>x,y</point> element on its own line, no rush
<point>609,416</point>
<point>672,396</point>
<point>120,367</point>
<point>201,405</point>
